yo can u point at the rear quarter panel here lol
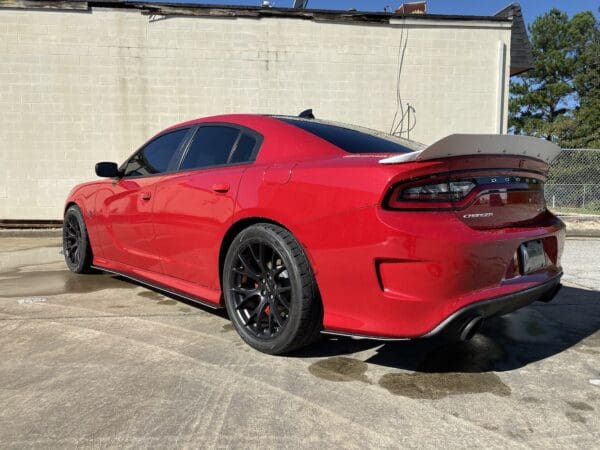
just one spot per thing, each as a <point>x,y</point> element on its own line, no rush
<point>316,201</point>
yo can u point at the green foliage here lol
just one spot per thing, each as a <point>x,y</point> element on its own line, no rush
<point>559,98</point>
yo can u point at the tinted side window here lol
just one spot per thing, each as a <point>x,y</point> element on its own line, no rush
<point>245,149</point>
<point>155,157</point>
<point>211,146</point>
<point>349,140</point>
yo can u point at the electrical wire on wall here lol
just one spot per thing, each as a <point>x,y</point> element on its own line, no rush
<point>399,126</point>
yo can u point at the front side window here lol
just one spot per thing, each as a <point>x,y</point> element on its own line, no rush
<point>211,146</point>
<point>155,157</point>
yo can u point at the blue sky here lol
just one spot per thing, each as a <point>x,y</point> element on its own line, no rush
<point>531,8</point>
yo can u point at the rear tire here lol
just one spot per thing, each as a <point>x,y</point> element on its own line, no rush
<point>270,290</point>
<point>76,244</point>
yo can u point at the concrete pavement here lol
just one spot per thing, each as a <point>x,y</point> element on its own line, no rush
<point>96,361</point>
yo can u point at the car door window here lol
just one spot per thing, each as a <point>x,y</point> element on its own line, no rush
<point>245,150</point>
<point>211,146</point>
<point>155,157</point>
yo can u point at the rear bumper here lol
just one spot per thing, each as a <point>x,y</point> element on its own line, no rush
<point>399,276</point>
<point>453,325</point>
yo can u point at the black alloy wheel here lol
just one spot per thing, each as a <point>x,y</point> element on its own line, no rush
<point>261,289</point>
<point>76,246</point>
<point>73,240</point>
<point>270,291</point>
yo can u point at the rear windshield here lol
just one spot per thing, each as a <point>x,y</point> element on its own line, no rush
<point>353,139</point>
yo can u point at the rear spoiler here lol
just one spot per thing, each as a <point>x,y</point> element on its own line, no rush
<point>481,144</point>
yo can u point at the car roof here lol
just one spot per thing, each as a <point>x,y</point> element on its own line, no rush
<point>245,119</point>
<point>299,143</point>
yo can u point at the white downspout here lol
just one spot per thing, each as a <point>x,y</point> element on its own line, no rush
<point>500,100</point>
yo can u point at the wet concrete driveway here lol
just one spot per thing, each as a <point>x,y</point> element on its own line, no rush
<point>96,361</point>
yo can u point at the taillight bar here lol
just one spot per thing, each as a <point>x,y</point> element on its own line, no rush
<point>447,193</point>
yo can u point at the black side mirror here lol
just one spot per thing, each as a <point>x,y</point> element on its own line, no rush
<point>107,169</point>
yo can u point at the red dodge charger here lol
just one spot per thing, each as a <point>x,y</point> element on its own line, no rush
<point>301,226</point>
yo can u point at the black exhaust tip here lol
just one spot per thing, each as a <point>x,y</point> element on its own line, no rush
<point>470,328</point>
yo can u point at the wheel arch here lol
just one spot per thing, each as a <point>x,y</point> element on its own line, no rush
<point>69,204</point>
<point>244,223</point>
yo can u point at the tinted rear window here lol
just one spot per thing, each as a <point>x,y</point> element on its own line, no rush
<point>349,139</point>
<point>245,149</point>
<point>211,146</point>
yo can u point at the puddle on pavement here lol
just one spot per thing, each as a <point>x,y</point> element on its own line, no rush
<point>152,295</point>
<point>581,406</point>
<point>575,417</point>
<point>160,298</point>
<point>167,302</point>
<point>434,386</point>
<point>20,244</point>
<point>58,248</point>
<point>18,283</point>
<point>451,369</point>
<point>227,328</point>
<point>532,400</point>
<point>340,368</point>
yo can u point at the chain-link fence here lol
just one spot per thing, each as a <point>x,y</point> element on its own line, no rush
<point>574,182</point>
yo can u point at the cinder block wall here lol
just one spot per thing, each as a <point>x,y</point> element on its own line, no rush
<point>79,87</point>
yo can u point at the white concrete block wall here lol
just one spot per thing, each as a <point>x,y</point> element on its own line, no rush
<point>76,88</point>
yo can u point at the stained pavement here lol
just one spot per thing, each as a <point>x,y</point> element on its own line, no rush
<point>97,361</point>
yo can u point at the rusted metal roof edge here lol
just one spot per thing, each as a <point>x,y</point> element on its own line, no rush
<point>212,10</point>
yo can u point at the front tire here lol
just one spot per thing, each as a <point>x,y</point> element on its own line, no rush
<point>270,291</point>
<point>76,243</point>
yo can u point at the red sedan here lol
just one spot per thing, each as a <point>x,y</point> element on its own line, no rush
<point>301,226</point>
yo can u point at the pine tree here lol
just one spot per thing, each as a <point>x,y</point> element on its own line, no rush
<point>559,98</point>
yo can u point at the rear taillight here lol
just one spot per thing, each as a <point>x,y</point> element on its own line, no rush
<point>440,194</point>
<point>446,191</point>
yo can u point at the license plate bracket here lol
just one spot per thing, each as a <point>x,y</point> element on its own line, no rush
<point>532,256</point>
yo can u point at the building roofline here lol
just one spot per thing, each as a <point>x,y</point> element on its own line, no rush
<point>212,10</point>
<point>521,55</point>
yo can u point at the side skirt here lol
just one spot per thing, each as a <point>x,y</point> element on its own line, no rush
<point>161,288</point>
<point>364,336</point>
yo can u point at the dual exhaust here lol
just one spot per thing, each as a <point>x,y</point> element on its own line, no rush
<point>470,328</point>
<point>466,323</point>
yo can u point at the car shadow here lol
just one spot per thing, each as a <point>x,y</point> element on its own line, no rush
<point>533,333</point>
<point>536,332</point>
